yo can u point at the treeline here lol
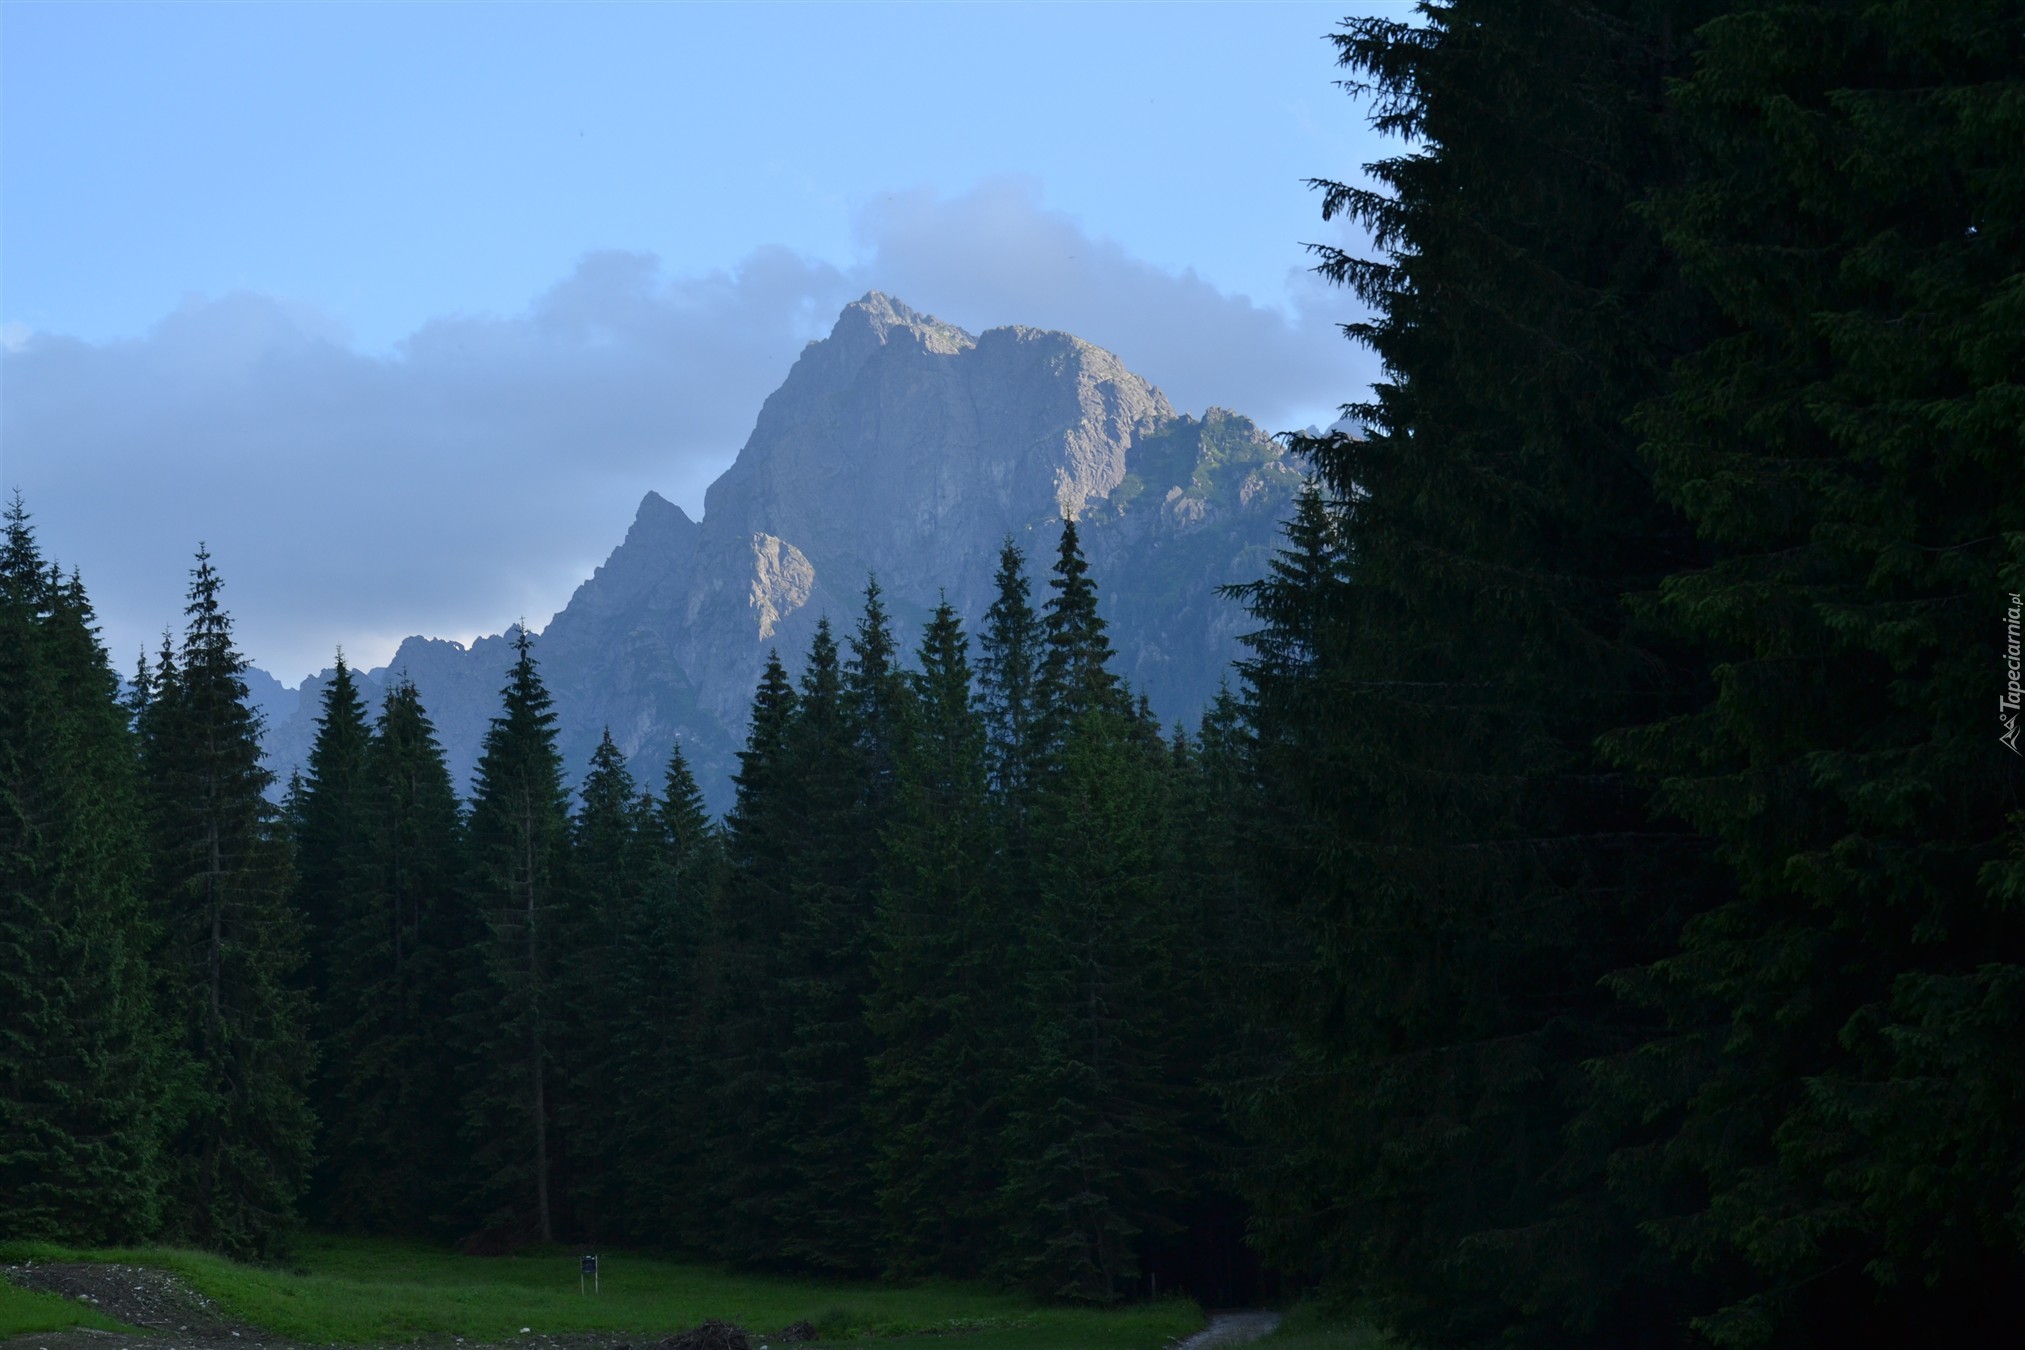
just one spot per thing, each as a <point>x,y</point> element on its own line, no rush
<point>1630,703</point>
<point>939,996</point>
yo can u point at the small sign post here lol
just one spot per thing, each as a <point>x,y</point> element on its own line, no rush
<point>590,1268</point>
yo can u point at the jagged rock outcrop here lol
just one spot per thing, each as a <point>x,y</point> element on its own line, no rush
<point>903,447</point>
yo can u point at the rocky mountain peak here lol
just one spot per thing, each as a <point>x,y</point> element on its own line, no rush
<point>881,319</point>
<point>904,447</point>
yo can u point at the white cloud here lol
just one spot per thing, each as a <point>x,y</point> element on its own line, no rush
<point>481,471</point>
<point>996,255</point>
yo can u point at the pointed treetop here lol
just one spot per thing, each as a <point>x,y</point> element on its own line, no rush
<point>609,786</point>
<point>685,820</point>
<point>1075,672</point>
<point>820,675</point>
<point>872,646</point>
<point>21,560</point>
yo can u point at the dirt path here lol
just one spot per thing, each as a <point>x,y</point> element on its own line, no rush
<point>1231,1328</point>
<point>143,1297</point>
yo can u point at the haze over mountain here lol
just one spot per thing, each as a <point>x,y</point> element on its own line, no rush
<point>905,448</point>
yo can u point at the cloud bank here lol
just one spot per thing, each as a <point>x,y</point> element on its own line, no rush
<point>479,473</point>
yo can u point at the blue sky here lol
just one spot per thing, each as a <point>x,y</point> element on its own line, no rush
<point>403,307</point>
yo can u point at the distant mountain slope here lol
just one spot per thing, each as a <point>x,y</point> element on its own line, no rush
<point>905,447</point>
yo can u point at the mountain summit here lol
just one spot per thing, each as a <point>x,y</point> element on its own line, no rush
<point>904,447</point>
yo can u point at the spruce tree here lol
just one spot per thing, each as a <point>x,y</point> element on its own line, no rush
<point>519,840</point>
<point>85,1064</point>
<point>612,846</point>
<point>1216,1036</point>
<point>1091,1144</point>
<point>687,836</point>
<point>666,968</point>
<point>940,1008</point>
<point>1094,1150</point>
<point>400,931</point>
<point>824,1213</point>
<point>1075,674</point>
<point>877,702</point>
<point>1841,1085</point>
<point>1464,865</point>
<point>332,810</point>
<point>327,818</point>
<point>743,1020</point>
<point>1009,668</point>
<point>232,944</point>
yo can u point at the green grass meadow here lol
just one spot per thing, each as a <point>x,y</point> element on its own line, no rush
<point>354,1291</point>
<point>23,1311</point>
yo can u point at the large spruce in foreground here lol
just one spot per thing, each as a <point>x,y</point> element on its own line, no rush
<point>511,1014</point>
<point>1463,864</point>
<point>613,861</point>
<point>85,1068</point>
<point>399,930</point>
<point>232,945</point>
<point>1844,1082</point>
<point>939,1008</point>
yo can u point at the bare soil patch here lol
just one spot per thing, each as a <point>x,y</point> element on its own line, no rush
<point>140,1296</point>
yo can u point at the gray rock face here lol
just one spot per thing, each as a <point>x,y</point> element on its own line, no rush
<point>904,448</point>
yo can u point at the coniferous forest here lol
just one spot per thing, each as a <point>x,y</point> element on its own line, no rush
<point>1594,915</point>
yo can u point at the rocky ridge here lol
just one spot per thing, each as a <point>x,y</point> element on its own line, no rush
<point>905,448</point>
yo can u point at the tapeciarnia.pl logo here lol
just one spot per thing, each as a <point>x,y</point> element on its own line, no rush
<point>2007,704</point>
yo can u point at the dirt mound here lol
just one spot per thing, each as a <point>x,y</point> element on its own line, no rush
<point>712,1335</point>
<point>139,1296</point>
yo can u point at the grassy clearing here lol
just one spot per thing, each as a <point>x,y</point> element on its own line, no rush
<point>357,1291</point>
<point>1309,1327</point>
<point>23,1311</point>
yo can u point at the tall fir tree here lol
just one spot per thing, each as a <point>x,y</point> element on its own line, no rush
<point>1092,1140</point>
<point>663,978</point>
<point>845,720</point>
<point>1464,866</point>
<point>1841,1086</point>
<point>232,944</point>
<point>326,815</point>
<point>1009,672</point>
<point>1094,1148</point>
<point>1075,676</point>
<point>331,830</point>
<point>519,840</point>
<point>1214,1033</point>
<point>612,843</point>
<point>941,1006</point>
<point>743,1020</point>
<point>400,930</point>
<point>85,1066</point>
<point>877,702</point>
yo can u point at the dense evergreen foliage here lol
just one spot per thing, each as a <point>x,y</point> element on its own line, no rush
<point>926,1003</point>
<point>1623,754</point>
<point>85,1057</point>
<point>231,944</point>
<point>513,1006</point>
<point>394,964</point>
<point>1845,1058</point>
